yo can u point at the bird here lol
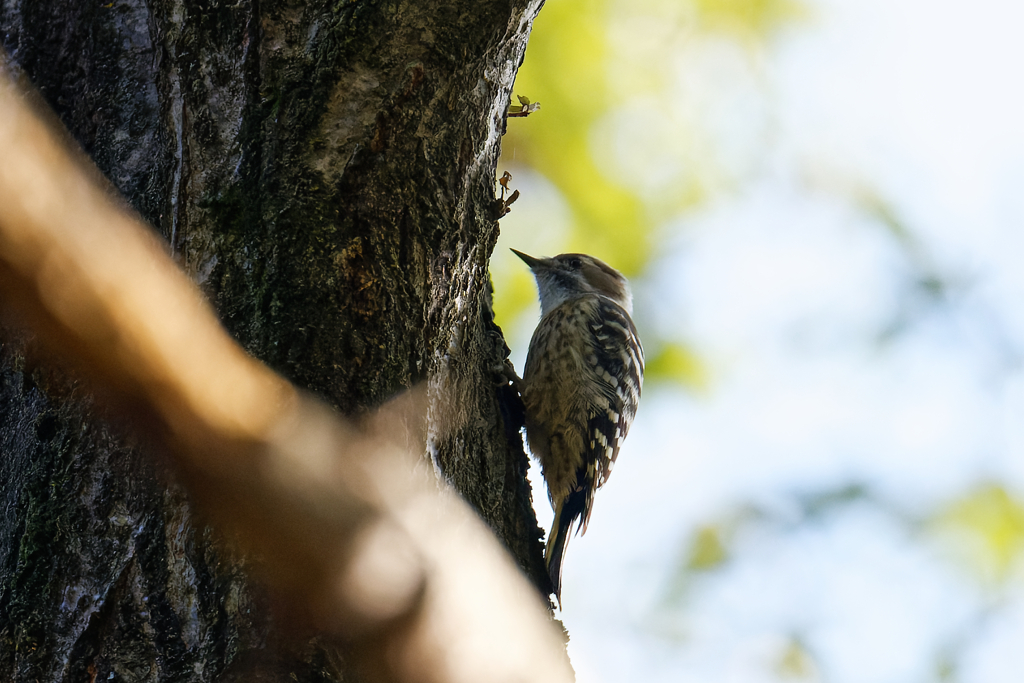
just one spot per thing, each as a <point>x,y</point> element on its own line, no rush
<point>580,388</point>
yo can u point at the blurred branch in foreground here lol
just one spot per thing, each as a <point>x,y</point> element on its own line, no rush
<point>350,532</point>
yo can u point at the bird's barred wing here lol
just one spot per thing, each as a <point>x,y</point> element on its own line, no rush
<point>617,361</point>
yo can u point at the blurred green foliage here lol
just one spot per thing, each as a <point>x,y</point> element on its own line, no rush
<point>590,58</point>
<point>750,20</point>
<point>707,550</point>
<point>796,662</point>
<point>982,529</point>
<point>566,71</point>
<point>676,362</point>
<point>985,530</point>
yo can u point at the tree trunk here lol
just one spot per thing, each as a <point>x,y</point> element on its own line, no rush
<point>325,172</point>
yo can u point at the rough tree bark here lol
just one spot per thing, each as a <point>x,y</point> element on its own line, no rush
<point>325,172</point>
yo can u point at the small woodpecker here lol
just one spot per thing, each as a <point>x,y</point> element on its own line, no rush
<point>581,386</point>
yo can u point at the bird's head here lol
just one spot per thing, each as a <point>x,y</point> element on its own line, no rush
<point>567,276</point>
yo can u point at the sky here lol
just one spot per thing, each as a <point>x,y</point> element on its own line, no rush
<point>829,363</point>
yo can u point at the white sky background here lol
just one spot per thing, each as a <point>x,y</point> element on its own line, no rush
<point>785,287</point>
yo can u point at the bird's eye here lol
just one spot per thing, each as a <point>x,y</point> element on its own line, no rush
<point>575,263</point>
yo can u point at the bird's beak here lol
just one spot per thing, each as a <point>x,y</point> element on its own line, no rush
<point>529,260</point>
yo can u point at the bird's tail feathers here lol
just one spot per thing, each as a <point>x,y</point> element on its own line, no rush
<point>570,511</point>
